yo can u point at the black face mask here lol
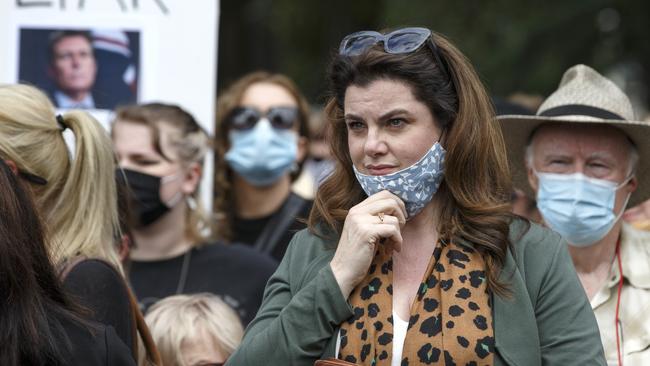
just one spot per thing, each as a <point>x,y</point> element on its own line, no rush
<point>144,190</point>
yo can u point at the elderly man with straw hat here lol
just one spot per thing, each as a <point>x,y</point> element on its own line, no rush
<point>586,159</point>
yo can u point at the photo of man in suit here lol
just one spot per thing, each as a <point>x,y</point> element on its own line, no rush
<point>73,69</point>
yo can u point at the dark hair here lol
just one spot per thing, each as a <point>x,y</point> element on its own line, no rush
<point>56,37</point>
<point>228,101</point>
<point>32,304</point>
<point>475,193</point>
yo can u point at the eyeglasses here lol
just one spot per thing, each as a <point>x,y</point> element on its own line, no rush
<point>400,41</point>
<point>245,118</point>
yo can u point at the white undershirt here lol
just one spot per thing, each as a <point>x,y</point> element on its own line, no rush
<point>399,335</point>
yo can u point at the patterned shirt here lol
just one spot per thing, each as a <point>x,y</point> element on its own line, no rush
<point>635,301</point>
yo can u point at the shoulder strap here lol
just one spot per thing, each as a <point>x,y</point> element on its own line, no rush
<point>139,326</point>
<point>279,224</point>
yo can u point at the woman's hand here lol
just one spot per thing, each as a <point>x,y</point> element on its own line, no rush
<point>375,221</point>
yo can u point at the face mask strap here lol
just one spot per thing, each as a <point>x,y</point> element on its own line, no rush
<point>625,181</point>
<point>179,195</point>
<point>620,214</point>
<point>175,200</point>
<point>170,178</point>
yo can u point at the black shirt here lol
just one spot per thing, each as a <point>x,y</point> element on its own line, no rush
<point>246,231</point>
<point>236,273</point>
<point>98,287</point>
<point>97,346</point>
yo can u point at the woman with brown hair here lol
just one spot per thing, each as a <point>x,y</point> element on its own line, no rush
<point>412,255</point>
<point>261,142</point>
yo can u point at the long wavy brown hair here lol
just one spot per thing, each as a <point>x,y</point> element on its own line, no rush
<point>228,101</point>
<point>475,194</point>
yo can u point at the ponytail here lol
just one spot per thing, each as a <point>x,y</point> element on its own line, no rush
<point>74,193</point>
<point>85,211</point>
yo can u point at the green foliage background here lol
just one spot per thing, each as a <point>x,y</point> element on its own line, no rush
<point>515,45</point>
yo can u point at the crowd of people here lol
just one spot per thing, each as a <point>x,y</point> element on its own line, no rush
<point>407,222</point>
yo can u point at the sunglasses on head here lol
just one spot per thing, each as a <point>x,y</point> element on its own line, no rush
<point>245,118</point>
<point>400,41</point>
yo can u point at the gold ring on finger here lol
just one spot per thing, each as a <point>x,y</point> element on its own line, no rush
<point>381,217</point>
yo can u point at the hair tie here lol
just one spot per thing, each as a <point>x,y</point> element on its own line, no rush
<point>61,122</point>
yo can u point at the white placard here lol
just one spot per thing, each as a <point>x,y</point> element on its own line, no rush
<point>174,60</point>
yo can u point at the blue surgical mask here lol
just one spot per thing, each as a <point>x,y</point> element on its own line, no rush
<point>415,185</point>
<point>263,154</point>
<point>578,207</point>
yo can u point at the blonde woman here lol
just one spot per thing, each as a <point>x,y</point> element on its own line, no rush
<point>74,194</point>
<point>160,148</point>
<point>194,330</point>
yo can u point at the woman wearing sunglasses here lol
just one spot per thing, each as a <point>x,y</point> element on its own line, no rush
<point>412,255</point>
<point>261,143</point>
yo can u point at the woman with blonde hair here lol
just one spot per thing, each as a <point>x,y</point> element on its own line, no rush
<point>160,149</point>
<point>75,195</point>
<point>412,254</point>
<point>261,141</point>
<point>194,330</point>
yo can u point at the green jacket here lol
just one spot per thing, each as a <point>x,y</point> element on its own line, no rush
<point>546,321</point>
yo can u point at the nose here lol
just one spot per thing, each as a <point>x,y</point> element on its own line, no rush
<point>75,60</point>
<point>580,167</point>
<point>375,144</point>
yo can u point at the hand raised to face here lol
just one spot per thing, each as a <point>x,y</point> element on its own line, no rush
<point>374,222</point>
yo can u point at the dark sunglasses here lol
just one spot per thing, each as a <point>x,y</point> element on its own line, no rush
<point>400,41</point>
<point>245,118</point>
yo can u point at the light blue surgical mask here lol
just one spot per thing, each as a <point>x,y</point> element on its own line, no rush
<point>578,207</point>
<point>263,154</point>
<point>415,185</point>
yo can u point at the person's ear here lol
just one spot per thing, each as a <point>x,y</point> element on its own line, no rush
<point>632,184</point>
<point>12,165</point>
<point>192,178</point>
<point>303,146</point>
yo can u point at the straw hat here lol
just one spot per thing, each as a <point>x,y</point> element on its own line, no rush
<point>584,96</point>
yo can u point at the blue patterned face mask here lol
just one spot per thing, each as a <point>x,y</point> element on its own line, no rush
<point>578,207</point>
<point>415,185</point>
